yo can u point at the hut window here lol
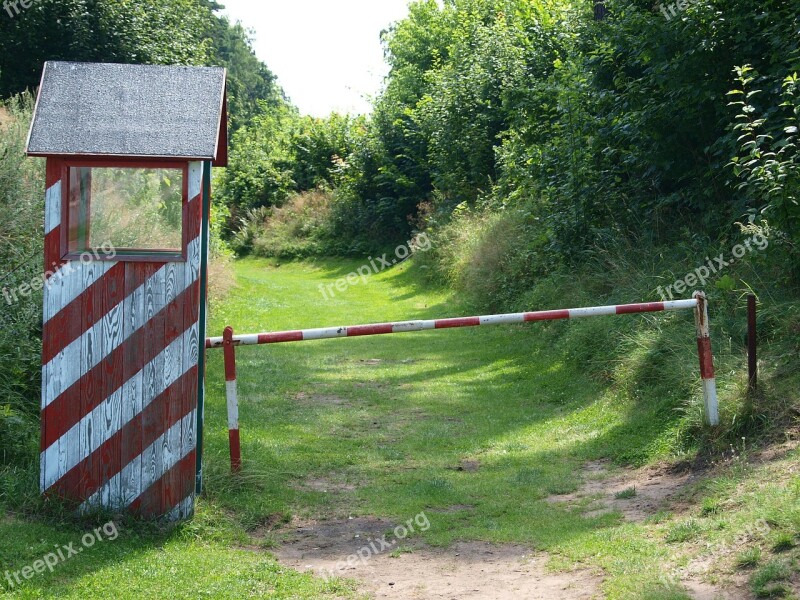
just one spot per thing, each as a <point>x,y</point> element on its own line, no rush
<point>137,210</point>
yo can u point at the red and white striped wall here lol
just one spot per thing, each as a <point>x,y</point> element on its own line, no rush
<point>122,342</point>
<point>229,341</point>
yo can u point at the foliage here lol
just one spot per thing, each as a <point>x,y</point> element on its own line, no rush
<point>769,160</point>
<point>21,239</point>
<point>144,32</point>
<point>297,229</point>
<point>260,166</point>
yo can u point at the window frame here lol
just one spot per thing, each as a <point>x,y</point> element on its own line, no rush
<point>125,254</point>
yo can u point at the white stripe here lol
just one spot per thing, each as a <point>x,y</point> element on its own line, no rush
<point>52,208</point>
<point>246,340</point>
<point>406,326</point>
<point>59,379</point>
<point>233,404</point>
<point>710,399</point>
<point>501,319</point>
<point>72,437</point>
<point>148,477</point>
<point>182,510</point>
<point>679,304</point>
<point>65,285</point>
<point>195,179</point>
<point>594,311</point>
<point>324,333</point>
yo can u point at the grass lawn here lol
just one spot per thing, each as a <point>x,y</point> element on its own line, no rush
<point>494,418</point>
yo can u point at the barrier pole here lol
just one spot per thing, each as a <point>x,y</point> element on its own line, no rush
<point>229,351</point>
<point>706,359</point>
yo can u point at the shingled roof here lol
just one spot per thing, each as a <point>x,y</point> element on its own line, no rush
<point>141,111</point>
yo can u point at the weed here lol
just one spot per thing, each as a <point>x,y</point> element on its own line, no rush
<point>683,532</point>
<point>749,558</point>
<point>767,581</point>
<point>398,552</point>
<point>782,541</point>
<point>710,506</point>
<point>626,493</point>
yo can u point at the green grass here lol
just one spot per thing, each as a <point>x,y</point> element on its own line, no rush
<point>768,581</point>
<point>626,494</point>
<point>748,558</point>
<point>388,423</point>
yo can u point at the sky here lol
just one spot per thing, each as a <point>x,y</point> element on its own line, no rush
<point>327,55</point>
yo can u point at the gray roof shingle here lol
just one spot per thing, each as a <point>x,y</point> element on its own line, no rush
<point>100,109</point>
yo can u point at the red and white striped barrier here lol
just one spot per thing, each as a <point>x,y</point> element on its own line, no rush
<point>229,341</point>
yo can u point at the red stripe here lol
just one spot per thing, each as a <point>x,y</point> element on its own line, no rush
<point>149,504</point>
<point>706,358</point>
<point>62,411</point>
<point>85,478</point>
<point>52,246</point>
<point>459,322</point>
<point>174,326</point>
<point>546,315</point>
<point>193,217</point>
<point>52,252</point>
<point>359,330</point>
<point>627,309</point>
<point>53,175</point>
<point>229,355</point>
<point>65,327</point>
<point>282,336</point>
<point>236,450</point>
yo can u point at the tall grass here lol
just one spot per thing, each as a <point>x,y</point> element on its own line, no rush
<point>21,239</point>
<point>299,228</point>
<point>502,261</point>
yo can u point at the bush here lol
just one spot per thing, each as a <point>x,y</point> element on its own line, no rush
<point>297,229</point>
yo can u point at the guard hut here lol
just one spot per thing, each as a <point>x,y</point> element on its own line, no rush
<point>129,153</point>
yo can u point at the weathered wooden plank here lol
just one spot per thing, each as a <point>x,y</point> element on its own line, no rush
<point>173,363</point>
<point>133,319</point>
<point>110,417</point>
<point>49,468</point>
<point>192,346</point>
<point>153,372</point>
<point>91,312</point>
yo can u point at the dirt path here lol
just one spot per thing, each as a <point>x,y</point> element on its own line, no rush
<point>466,570</point>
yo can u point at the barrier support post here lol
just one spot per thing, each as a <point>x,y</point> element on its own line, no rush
<point>752,344</point>
<point>706,360</point>
<point>233,402</point>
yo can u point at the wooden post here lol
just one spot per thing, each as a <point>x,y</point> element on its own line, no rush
<point>233,403</point>
<point>752,360</point>
<point>706,360</point>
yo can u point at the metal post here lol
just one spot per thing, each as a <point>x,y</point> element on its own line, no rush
<point>752,360</point>
<point>706,359</point>
<point>229,351</point>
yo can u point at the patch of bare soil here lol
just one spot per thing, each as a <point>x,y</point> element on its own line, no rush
<point>658,487</point>
<point>321,399</point>
<point>466,570</point>
<point>651,489</point>
<point>325,485</point>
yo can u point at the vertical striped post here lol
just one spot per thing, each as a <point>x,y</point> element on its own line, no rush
<point>706,359</point>
<point>233,402</point>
